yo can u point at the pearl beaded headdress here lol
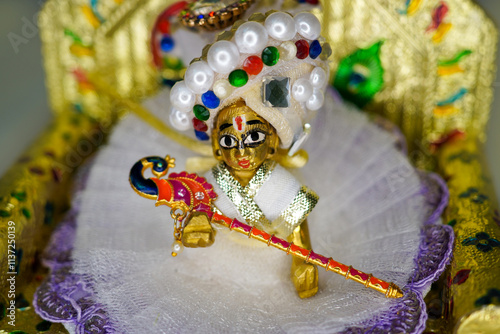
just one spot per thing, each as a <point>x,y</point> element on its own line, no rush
<point>275,62</point>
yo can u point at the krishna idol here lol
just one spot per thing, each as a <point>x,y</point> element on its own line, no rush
<point>253,95</point>
<point>357,224</point>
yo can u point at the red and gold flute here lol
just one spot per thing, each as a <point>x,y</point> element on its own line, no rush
<point>390,290</point>
<point>187,193</point>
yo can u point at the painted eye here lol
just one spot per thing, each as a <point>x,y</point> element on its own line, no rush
<point>255,138</point>
<point>228,141</point>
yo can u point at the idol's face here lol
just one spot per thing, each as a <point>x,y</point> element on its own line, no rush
<point>245,139</point>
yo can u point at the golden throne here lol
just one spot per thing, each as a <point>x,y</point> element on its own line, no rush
<point>427,66</point>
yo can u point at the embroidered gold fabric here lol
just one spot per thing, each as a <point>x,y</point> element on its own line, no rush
<point>300,207</point>
<point>243,198</point>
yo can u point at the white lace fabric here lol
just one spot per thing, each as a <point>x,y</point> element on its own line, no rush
<point>369,215</point>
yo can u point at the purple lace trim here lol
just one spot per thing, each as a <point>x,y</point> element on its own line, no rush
<point>67,298</point>
<point>408,314</point>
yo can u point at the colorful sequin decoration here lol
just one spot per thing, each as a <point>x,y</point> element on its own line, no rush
<point>451,66</point>
<point>437,25</point>
<point>360,75</point>
<point>84,85</point>
<point>445,107</point>
<point>411,7</point>
<point>78,47</point>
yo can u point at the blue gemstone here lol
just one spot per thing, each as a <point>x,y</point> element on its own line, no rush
<point>167,43</point>
<point>210,100</point>
<point>201,135</point>
<point>356,78</point>
<point>200,16</point>
<point>315,49</point>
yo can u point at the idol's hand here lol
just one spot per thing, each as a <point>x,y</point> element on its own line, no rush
<point>305,278</point>
<point>197,231</point>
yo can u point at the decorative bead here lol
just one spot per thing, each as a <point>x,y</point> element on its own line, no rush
<point>182,97</point>
<point>167,44</point>
<point>177,248</point>
<point>315,49</point>
<point>316,100</point>
<point>318,77</point>
<point>287,50</point>
<point>164,26</point>
<point>199,77</point>
<point>327,51</point>
<point>179,120</point>
<point>251,37</point>
<point>210,100</point>
<point>270,56</point>
<point>201,112</point>
<point>253,65</point>
<point>199,125</point>
<point>222,88</point>
<point>280,26</point>
<point>223,57</point>
<point>203,136</point>
<point>302,90</point>
<point>238,78</point>
<point>307,25</point>
<point>302,49</point>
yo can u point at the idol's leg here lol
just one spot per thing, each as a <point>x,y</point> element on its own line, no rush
<point>304,275</point>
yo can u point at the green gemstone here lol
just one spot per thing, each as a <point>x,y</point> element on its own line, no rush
<point>4,213</point>
<point>19,195</point>
<point>201,112</point>
<point>26,213</point>
<point>270,56</point>
<point>238,78</point>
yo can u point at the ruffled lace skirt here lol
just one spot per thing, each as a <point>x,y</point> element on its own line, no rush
<point>111,268</point>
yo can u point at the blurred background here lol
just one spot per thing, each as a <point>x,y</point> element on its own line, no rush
<point>24,111</point>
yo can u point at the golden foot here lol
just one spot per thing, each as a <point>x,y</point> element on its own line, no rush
<point>305,278</point>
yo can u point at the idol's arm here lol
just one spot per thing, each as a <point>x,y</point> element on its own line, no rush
<point>304,275</point>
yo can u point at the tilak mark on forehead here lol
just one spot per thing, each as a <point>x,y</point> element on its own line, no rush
<point>251,122</point>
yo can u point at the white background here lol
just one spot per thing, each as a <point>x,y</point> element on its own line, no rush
<point>24,111</point>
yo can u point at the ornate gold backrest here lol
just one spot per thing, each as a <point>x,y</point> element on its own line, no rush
<point>426,65</point>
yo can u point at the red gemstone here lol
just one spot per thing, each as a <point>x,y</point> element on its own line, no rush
<point>302,49</point>
<point>164,27</point>
<point>199,125</point>
<point>253,65</point>
<point>211,14</point>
